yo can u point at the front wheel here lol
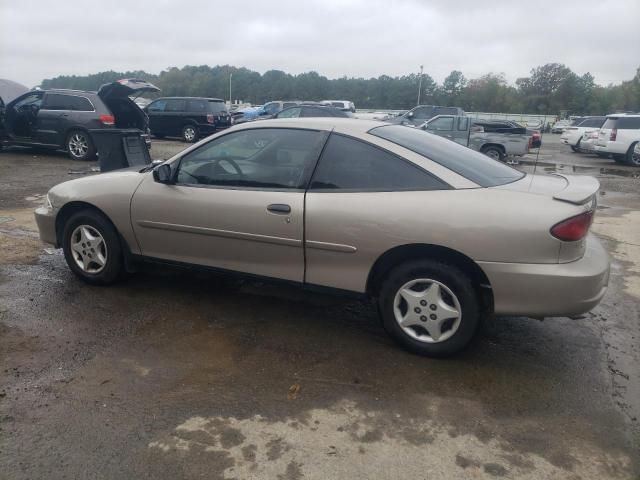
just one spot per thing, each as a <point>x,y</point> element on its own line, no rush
<point>79,146</point>
<point>92,248</point>
<point>430,308</point>
<point>189,133</point>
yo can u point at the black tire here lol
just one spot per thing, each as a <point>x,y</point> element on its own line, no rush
<point>113,266</point>
<point>494,152</point>
<point>576,147</point>
<point>630,159</point>
<point>454,280</point>
<point>75,151</point>
<point>190,133</point>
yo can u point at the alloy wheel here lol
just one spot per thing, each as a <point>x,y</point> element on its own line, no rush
<point>78,145</point>
<point>427,310</point>
<point>89,249</point>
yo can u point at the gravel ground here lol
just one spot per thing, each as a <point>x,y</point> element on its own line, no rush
<point>174,375</point>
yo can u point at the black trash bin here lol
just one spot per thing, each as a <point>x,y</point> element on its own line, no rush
<point>120,148</point>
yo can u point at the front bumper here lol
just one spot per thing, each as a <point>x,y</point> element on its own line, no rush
<point>548,290</point>
<point>46,220</point>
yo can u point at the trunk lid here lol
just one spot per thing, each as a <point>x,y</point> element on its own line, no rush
<point>575,189</point>
<point>126,87</point>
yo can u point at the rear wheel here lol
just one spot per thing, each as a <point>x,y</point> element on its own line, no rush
<point>576,147</point>
<point>494,152</point>
<point>92,248</point>
<point>633,158</point>
<point>189,133</point>
<point>79,146</point>
<point>430,308</point>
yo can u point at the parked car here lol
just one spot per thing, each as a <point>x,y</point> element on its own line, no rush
<point>618,137</point>
<point>344,105</point>
<point>331,202</point>
<point>268,110</point>
<point>187,117</point>
<point>589,140</point>
<point>560,125</point>
<point>304,110</point>
<point>62,119</point>
<point>572,135</point>
<point>420,114</point>
<point>494,142</point>
<point>509,126</point>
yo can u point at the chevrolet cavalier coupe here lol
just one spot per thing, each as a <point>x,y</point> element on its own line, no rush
<point>439,235</point>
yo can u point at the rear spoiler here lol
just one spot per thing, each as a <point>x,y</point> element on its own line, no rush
<point>579,190</point>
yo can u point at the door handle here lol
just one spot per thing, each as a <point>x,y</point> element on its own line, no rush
<point>279,208</point>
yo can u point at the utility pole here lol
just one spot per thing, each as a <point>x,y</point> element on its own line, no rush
<point>420,84</point>
<point>230,97</point>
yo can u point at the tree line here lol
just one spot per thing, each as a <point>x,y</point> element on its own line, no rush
<point>550,89</point>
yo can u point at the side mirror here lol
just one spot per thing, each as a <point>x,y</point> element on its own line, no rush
<point>162,174</point>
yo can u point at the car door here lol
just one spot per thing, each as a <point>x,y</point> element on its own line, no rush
<point>155,111</point>
<point>236,203</point>
<point>174,116</point>
<point>443,126</point>
<point>54,118</point>
<point>356,208</point>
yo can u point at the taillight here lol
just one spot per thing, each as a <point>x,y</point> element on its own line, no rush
<point>107,119</point>
<point>614,134</point>
<point>574,228</point>
<point>210,118</point>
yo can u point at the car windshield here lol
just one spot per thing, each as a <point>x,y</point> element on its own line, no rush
<point>472,165</point>
<point>217,107</point>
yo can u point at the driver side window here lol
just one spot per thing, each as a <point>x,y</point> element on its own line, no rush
<point>259,158</point>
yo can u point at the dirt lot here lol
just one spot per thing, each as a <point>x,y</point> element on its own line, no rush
<point>170,375</point>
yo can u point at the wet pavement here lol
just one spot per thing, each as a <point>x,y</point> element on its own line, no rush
<point>174,375</point>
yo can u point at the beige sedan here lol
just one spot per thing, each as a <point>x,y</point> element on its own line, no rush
<point>438,234</point>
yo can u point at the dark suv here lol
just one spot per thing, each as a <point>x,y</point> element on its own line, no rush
<point>187,117</point>
<point>62,119</point>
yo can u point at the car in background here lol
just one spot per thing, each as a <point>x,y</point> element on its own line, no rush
<point>187,117</point>
<point>344,105</point>
<point>588,141</point>
<point>420,114</point>
<point>572,135</point>
<point>63,119</point>
<point>305,110</point>
<point>560,125</point>
<point>618,137</point>
<point>268,110</point>
<point>331,202</point>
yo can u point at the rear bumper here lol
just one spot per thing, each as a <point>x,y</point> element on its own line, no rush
<point>547,290</point>
<point>46,221</point>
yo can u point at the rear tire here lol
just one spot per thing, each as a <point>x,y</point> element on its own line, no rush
<point>189,133</point>
<point>92,248</point>
<point>430,325</point>
<point>494,152</point>
<point>80,146</point>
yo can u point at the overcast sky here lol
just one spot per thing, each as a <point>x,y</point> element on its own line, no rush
<point>42,39</point>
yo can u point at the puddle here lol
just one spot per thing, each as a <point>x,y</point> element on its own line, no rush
<point>547,167</point>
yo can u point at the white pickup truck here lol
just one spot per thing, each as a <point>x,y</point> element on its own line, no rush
<point>496,143</point>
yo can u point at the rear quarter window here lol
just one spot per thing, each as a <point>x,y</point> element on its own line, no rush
<point>628,123</point>
<point>468,163</point>
<point>216,107</point>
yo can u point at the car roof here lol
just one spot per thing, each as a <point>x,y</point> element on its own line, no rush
<point>68,91</point>
<point>338,124</point>
<point>618,115</point>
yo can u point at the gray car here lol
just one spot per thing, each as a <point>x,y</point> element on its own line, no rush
<point>439,235</point>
